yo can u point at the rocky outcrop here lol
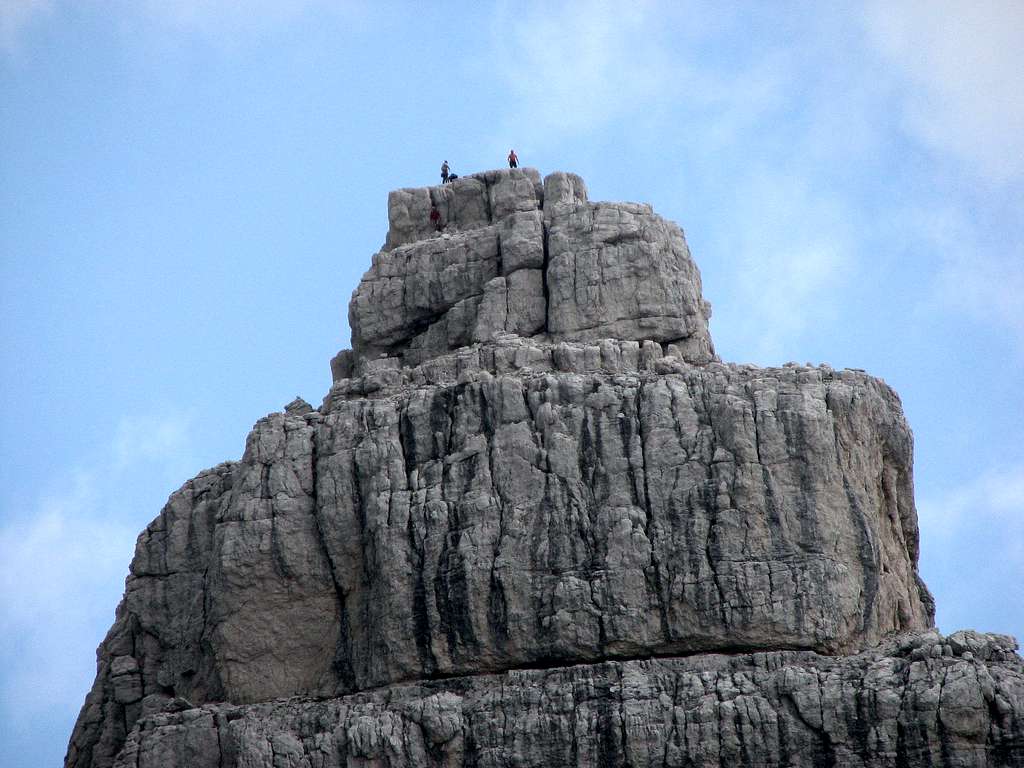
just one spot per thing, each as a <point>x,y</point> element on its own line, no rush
<point>506,262</point>
<point>536,522</point>
<point>918,700</point>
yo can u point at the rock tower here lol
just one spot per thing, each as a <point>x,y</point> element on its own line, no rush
<point>537,522</point>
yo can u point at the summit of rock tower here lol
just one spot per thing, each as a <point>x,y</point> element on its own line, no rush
<point>533,259</point>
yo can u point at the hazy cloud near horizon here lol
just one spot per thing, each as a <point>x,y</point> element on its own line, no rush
<point>983,515</point>
<point>62,562</point>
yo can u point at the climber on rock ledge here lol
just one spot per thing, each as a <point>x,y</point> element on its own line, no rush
<point>435,217</point>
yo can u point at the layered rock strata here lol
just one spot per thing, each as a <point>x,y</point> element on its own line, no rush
<point>918,700</point>
<point>530,474</point>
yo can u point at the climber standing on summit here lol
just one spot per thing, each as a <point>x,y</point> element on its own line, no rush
<point>444,172</point>
<point>513,159</point>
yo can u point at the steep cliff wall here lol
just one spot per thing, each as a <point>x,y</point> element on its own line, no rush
<point>530,460</point>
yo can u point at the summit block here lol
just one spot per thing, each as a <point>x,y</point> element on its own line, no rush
<point>536,260</point>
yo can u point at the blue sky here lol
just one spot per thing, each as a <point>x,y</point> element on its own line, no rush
<point>189,192</point>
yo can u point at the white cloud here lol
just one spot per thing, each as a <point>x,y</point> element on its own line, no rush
<point>572,67</point>
<point>15,15</point>
<point>972,551</point>
<point>755,118</point>
<point>59,571</point>
<point>988,285</point>
<point>994,498</point>
<point>160,438</point>
<point>962,58</point>
<point>958,64</point>
<point>786,285</point>
<point>788,121</point>
<point>63,564</point>
<point>980,279</point>
<point>790,252</point>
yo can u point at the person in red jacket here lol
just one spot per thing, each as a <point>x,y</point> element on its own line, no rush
<point>513,159</point>
<point>435,217</point>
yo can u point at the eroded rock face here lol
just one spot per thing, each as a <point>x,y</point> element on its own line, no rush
<point>517,517</point>
<point>507,263</point>
<point>531,459</point>
<point>914,701</point>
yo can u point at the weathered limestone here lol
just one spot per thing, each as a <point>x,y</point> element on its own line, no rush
<point>506,263</point>
<point>496,522</point>
<point>916,701</point>
<point>531,459</point>
<point>603,259</point>
<point>470,202</point>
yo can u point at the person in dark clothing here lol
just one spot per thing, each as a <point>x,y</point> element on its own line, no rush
<point>435,218</point>
<point>513,159</point>
<point>444,172</point>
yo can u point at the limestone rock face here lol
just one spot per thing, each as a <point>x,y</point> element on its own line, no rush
<point>531,459</point>
<point>914,701</point>
<point>507,263</point>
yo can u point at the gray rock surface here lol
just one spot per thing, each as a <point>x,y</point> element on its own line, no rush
<point>616,270</point>
<point>492,492</point>
<point>507,263</point>
<point>914,701</point>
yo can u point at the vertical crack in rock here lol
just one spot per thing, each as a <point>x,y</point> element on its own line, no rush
<point>342,662</point>
<point>653,575</point>
<point>421,618</point>
<point>868,556</point>
<point>497,603</point>
<point>545,269</point>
